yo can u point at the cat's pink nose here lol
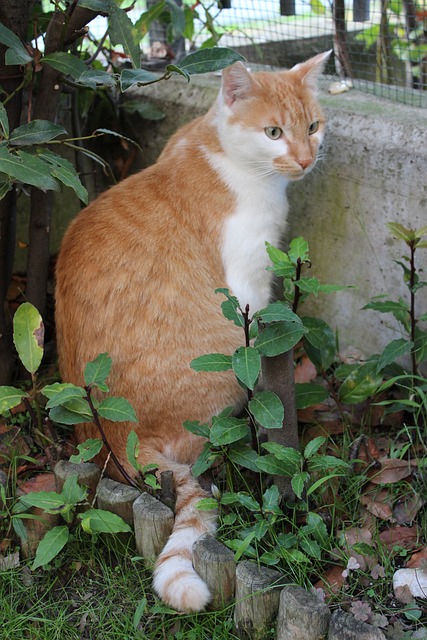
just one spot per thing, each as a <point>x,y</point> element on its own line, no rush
<point>304,162</point>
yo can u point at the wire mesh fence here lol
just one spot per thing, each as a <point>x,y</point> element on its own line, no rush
<point>380,45</point>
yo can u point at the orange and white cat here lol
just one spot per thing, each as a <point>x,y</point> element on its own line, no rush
<point>139,266</point>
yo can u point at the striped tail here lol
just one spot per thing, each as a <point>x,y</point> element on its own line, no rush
<point>175,580</point>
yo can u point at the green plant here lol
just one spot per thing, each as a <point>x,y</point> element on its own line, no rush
<point>66,404</point>
<point>400,34</point>
<point>236,440</point>
<point>66,504</point>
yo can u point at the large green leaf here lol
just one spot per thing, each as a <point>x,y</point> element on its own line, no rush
<point>206,60</point>
<point>4,122</point>
<point>272,465</point>
<point>138,77</point>
<point>277,311</point>
<point>204,461</point>
<point>199,429</point>
<point>5,187</point>
<point>246,363</point>
<point>97,371</point>
<point>292,457</point>
<point>122,31</point>
<point>65,63</point>
<point>35,132</point>
<point>401,232</point>
<point>226,430</point>
<point>362,383</point>
<point>394,350</point>
<point>72,492</point>
<point>46,500</point>
<point>420,346</point>
<point>212,362</point>
<point>313,446</point>
<point>100,521</point>
<point>99,6</point>
<point>117,410</point>
<point>298,482</point>
<point>27,169</point>
<point>309,393</point>
<point>28,336</point>
<point>327,463</point>
<point>298,250</point>
<point>244,456</point>
<point>319,342</point>
<point>61,392</point>
<point>10,398</point>
<point>279,337</point>
<point>16,53</point>
<point>50,545</point>
<point>231,307</point>
<point>94,78</point>
<point>87,450</point>
<point>75,411</point>
<point>132,450</point>
<point>267,409</point>
<point>282,264</point>
<point>64,171</point>
<point>388,306</point>
<point>153,13</point>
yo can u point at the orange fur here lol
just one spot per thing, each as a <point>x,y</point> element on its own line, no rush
<point>138,268</point>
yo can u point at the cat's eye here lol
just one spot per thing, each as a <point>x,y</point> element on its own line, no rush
<point>273,132</point>
<point>313,128</point>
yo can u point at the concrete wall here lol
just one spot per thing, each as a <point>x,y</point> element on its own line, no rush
<point>374,171</point>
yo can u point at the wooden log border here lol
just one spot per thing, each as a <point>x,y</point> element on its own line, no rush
<point>262,601</point>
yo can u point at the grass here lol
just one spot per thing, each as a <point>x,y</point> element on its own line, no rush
<point>96,592</point>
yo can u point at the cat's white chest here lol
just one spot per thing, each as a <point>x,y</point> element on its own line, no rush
<point>259,216</point>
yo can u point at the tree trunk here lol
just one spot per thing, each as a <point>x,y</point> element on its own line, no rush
<point>62,30</point>
<point>278,375</point>
<point>15,15</point>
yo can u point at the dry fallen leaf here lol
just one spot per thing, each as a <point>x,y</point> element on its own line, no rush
<point>417,559</point>
<point>392,470</point>
<point>377,508</point>
<point>305,371</point>
<point>403,594</point>
<point>406,510</point>
<point>40,482</point>
<point>332,581</point>
<point>405,537</point>
<point>355,535</point>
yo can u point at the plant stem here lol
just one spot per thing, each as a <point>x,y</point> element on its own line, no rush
<point>413,319</point>
<point>297,292</point>
<point>254,436</point>
<point>97,422</point>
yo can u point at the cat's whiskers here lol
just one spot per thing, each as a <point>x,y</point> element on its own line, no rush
<point>261,169</point>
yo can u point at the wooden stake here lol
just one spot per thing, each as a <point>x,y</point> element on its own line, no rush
<point>302,616</point>
<point>88,475</point>
<point>117,497</point>
<point>153,523</point>
<point>36,530</point>
<point>257,600</point>
<point>214,562</point>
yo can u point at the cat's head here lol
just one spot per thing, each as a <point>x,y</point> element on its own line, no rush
<point>272,122</point>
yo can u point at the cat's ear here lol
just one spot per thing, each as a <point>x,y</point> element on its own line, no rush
<point>308,72</point>
<point>237,83</point>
